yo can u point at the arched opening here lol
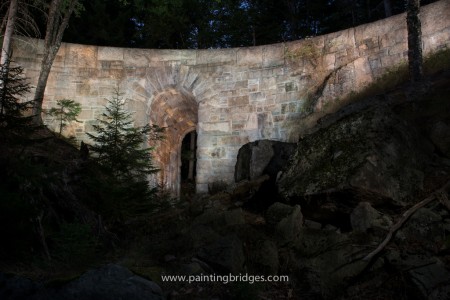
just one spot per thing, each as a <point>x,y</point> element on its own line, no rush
<point>188,165</point>
<point>177,111</point>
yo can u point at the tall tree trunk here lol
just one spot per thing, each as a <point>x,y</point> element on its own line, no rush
<point>415,58</point>
<point>387,8</point>
<point>7,38</point>
<point>53,37</point>
<point>5,51</point>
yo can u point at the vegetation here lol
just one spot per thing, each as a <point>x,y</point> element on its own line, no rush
<point>66,111</point>
<point>12,106</point>
<point>118,144</point>
<point>67,210</point>
<point>118,149</point>
<point>58,16</point>
<point>181,24</point>
<point>399,74</point>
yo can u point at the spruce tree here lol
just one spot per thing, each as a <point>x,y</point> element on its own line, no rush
<point>14,87</point>
<point>66,111</point>
<point>118,147</point>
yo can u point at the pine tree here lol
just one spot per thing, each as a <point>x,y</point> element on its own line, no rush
<point>66,111</point>
<point>119,149</point>
<point>12,107</point>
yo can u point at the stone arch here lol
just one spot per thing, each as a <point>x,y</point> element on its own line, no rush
<point>177,111</point>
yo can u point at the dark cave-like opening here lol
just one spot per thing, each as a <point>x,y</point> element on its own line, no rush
<point>188,164</point>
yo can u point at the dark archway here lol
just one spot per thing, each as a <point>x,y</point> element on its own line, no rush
<point>177,111</point>
<point>188,168</point>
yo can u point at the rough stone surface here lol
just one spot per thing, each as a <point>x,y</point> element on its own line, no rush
<point>266,257</point>
<point>220,219</point>
<point>371,155</point>
<point>229,96</point>
<point>225,254</point>
<point>365,217</point>
<point>323,253</point>
<point>277,212</point>
<point>252,159</point>
<point>424,229</point>
<point>286,219</point>
<point>288,229</point>
<point>109,282</point>
<point>429,279</point>
<point>262,157</point>
<point>440,136</point>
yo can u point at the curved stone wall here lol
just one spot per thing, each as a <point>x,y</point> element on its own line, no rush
<point>230,96</point>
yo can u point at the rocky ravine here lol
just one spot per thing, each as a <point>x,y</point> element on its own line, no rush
<point>317,215</point>
<point>312,210</point>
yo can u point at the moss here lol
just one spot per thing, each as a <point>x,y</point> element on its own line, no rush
<point>307,51</point>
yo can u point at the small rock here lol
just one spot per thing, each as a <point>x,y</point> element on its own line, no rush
<point>313,224</point>
<point>192,268</point>
<point>429,278</point>
<point>287,220</point>
<point>364,217</point>
<point>226,254</point>
<point>169,258</point>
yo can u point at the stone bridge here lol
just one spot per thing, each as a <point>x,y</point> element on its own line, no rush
<point>229,96</point>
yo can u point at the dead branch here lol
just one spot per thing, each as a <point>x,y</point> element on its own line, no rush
<point>438,194</point>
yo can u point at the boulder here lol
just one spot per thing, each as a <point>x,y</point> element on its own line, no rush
<point>372,156</point>
<point>225,255</point>
<point>424,230</point>
<point>327,261</point>
<point>16,287</point>
<point>265,257</point>
<point>277,212</point>
<point>192,268</point>
<point>262,157</point>
<point>108,282</point>
<point>218,219</point>
<point>440,136</point>
<point>312,224</point>
<point>245,190</point>
<point>200,235</point>
<point>429,278</point>
<point>287,221</point>
<point>365,217</point>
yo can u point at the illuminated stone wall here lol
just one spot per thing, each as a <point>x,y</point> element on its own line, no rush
<point>230,96</point>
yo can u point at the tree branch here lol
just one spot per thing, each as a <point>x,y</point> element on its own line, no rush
<point>438,194</point>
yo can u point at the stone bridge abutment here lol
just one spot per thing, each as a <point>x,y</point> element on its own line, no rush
<point>228,96</point>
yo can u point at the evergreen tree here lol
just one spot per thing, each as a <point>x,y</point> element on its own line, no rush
<point>12,107</point>
<point>119,149</point>
<point>66,112</point>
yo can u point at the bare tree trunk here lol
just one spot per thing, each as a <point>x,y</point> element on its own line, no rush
<point>6,46</point>
<point>415,58</point>
<point>5,51</point>
<point>53,36</point>
<point>387,8</point>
